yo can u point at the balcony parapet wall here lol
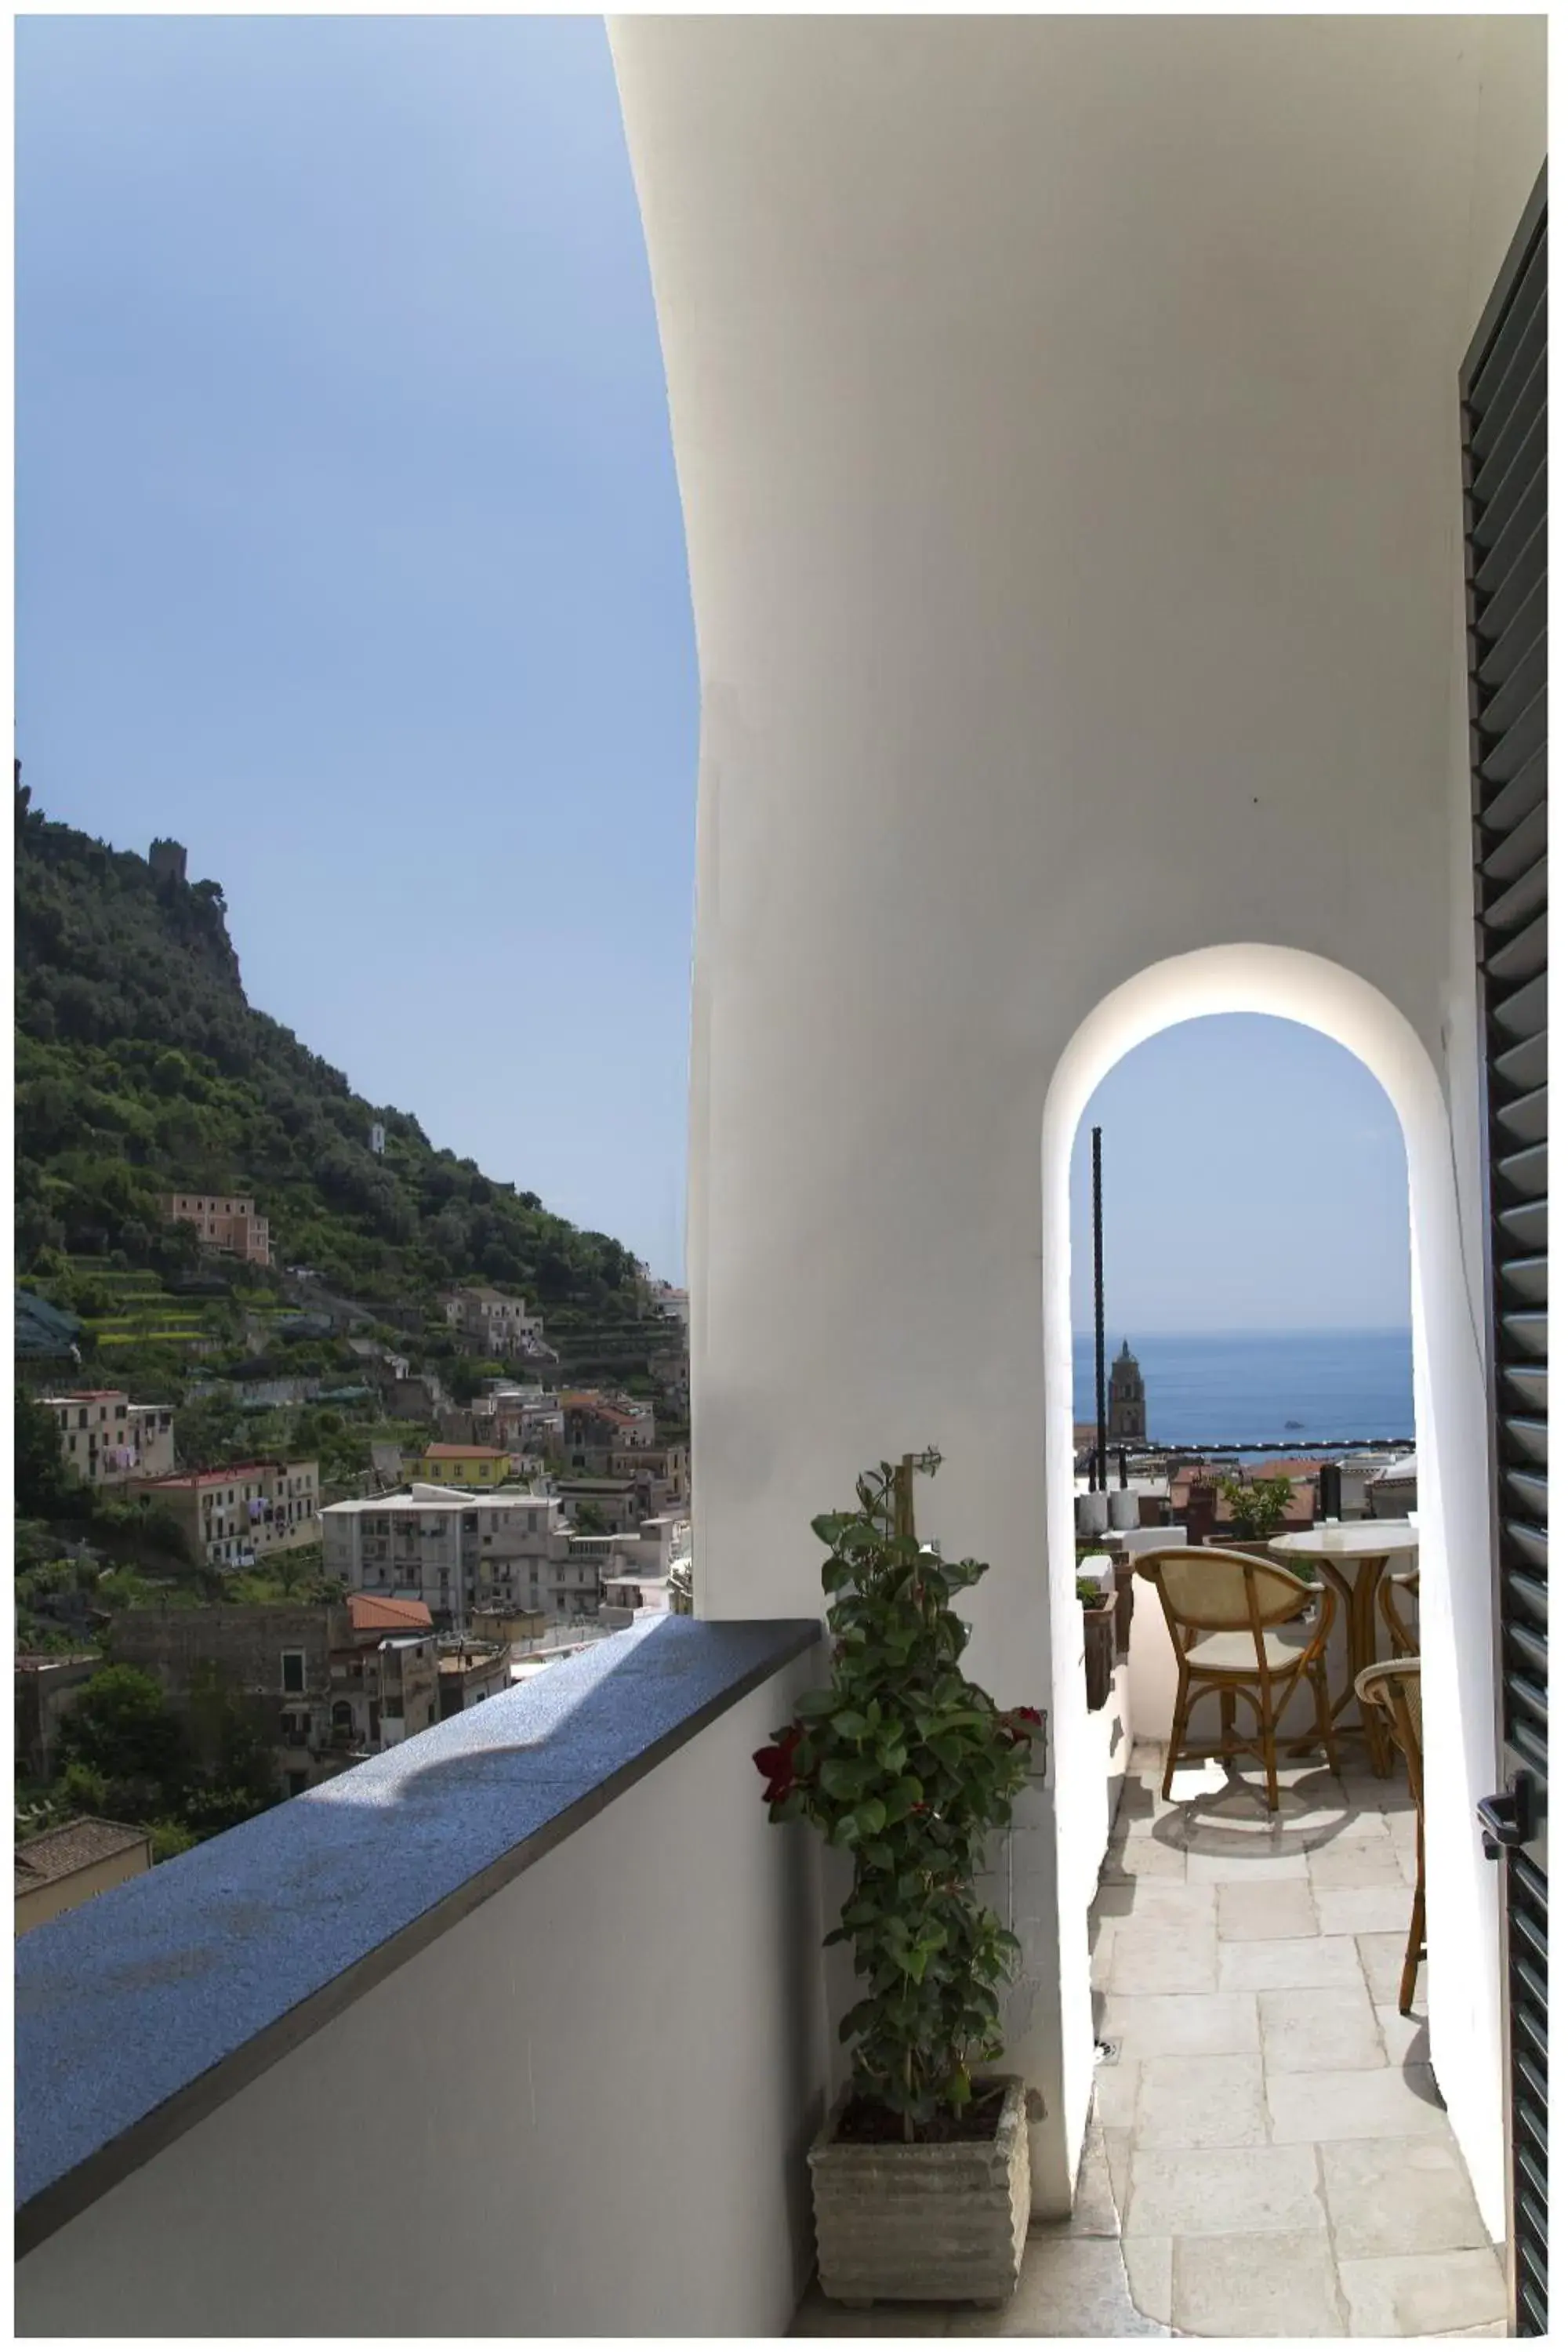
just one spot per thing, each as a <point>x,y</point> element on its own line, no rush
<point>148,2018</point>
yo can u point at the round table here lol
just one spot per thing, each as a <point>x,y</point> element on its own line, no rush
<point>1353,1556</point>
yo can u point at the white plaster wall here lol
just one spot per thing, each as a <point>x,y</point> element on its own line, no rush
<point>583,2111</point>
<point>1065,414</point>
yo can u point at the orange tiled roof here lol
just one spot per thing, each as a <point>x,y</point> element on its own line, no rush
<point>369,1613</point>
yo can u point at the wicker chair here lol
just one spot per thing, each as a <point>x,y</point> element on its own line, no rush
<point>1223,1609</point>
<point>1394,1685</point>
<point>1401,1583</point>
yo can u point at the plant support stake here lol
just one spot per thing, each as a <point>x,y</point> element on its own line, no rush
<point>1098,1478</point>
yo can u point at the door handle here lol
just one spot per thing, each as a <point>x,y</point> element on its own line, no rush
<point>1509,1818</point>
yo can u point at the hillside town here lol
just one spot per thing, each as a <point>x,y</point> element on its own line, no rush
<point>493,1516</point>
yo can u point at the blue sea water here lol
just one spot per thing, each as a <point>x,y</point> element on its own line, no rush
<point>1245,1388</point>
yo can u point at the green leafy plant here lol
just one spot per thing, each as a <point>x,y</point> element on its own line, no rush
<point>1090,1591</point>
<point>1257,1507</point>
<point>910,1768</point>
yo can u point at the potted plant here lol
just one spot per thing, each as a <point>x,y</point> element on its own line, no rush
<point>920,2175</point>
<point>1257,1508</point>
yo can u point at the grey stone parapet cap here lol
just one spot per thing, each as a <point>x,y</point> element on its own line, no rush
<point>146,2008</point>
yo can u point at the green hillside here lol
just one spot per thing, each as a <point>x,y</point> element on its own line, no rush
<point>141,1068</point>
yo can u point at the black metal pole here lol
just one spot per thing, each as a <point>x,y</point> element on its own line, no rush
<point>1099,1323</point>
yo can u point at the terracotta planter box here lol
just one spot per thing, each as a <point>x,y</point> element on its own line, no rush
<point>1100,1650</point>
<point>940,2224</point>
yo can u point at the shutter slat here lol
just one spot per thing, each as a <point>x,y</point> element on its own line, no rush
<point>1526,1437</point>
<point>1524,1065</point>
<point>1501,811</point>
<point>1520,413</point>
<point>1519,901</point>
<point>1519,847</point>
<point>1528,1594</point>
<point>1524,318</point>
<point>1523,956</point>
<point>1499,557</point>
<point>1528,1382</point>
<point>1499,610</point>
<point>1527,1333</point>
<point>1524,1174</point>
<point>1524,737</point>
<point>1524,1119</point>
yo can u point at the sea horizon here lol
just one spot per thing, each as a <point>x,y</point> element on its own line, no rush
<point>1285,1388</point>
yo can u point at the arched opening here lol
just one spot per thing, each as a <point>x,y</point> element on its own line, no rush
<point>1457,1627</point>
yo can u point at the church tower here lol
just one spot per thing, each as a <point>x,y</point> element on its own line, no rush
<point>1128,1423</point>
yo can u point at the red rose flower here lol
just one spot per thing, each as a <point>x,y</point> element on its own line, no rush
<point>777,1765</point>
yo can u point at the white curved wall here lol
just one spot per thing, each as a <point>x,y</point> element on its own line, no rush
<point>1064,415</point>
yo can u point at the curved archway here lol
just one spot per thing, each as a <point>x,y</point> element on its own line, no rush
<point>1452,1445</point>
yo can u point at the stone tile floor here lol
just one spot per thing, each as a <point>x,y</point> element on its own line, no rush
<point>1267,2153</point>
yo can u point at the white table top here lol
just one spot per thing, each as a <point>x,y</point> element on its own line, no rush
<point>1354,1540</point>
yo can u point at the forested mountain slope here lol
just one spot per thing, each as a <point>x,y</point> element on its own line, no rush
<point>141,1068</point>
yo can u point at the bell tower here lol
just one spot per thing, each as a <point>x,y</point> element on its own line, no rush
<point>1128,1421</point>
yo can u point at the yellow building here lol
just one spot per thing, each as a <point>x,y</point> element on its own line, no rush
<point>458,1465</point>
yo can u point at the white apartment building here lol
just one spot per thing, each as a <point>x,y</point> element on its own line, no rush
<point>105,1439</point>
<point>457,1551</point>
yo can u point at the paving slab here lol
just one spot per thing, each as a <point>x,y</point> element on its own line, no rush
<point>1358,1862</point>
<point>1151,1857</point>
<point>1148,2261</point>
<point>1405,2038</point>
<point>1424,2295</point>
<point>1383,1958</point>
<point>1223,2193</point>
<point>1116,2094</point>
<point>1118,2161</point>
<point>1227,1867</point>
<point>1390,2102</point>
<point>1149,1900</point>
<point>1268,1911</point>
<point>1329,2028</point>
<point>1280,2284</point>
<point>1363,1910</point>
<point>1186,2102</point>
<point>1297,1962</point>
<point>1399,2196</point>
<point>1164,1957</point>
<point>1178,2024</point>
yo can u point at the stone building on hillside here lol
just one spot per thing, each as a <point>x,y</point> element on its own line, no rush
<point>236,1517</point>
<point>106,1440</point>
<point>325,1686</point>
<point>224,1220</point>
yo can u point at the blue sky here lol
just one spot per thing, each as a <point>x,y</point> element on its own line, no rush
<point>1312,1234</point>
<point>349,552</point>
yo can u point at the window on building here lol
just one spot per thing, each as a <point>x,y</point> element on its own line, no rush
<point>294,1670</point>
